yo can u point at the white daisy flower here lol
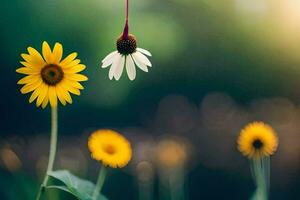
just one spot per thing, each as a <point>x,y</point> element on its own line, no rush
<point>128,56</point>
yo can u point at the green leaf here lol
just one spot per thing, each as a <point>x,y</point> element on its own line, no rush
<point>78,187</point>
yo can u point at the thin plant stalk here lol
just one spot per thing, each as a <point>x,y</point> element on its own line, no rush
<point>176,184</point>
<point>145,181</point>
<point>145,190</point>
<point>53,145</point>
<point>126,27</point>
<point>100,182</point>
<point>260,169</point>
<point>172,184</point>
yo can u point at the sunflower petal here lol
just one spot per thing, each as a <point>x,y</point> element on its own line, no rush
<point>45,101</point>
<point>30,87</point>
<point>47,52</point>
<point>74,84</point>
<point>36,58</point>
<point>42,95</point>
<point>72,90</point>
<point>68,59</point>
<point>27,70</point>
<point>60,96</point>
<point>52,96</point>
<point>57,53</point>
<point>65,94</point>
<point>76,77</point>
<point>75,69</point>
<point>26,57</point>
<point>27,64</point>
<point>28,79</point>
<point>69,88</point>
<point>71,64</point>
<point>35,94</point>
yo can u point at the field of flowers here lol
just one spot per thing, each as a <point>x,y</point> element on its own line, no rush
<point>150,100</point>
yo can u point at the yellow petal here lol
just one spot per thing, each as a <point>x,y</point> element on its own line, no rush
<point>47,52</point>
<point>35,94</point>
<point>26,64</point>
<point>27,70</point>
<point>74,84</point>
<point>36,57</point>
<point>57,53</point>
<point>71,89</point>
<point>65,94</point>
<point>76,77</point>
<point>42,95</point>
<point>28,79</point>
<point>26,57</point>
<point>71,64</point>
<point>68,59</point>
<point>60,96</point>
<point>52,96</point>
<point>45,101</point>
<point>30,87</point>
<point>75,69</point>
<point>34,63</point>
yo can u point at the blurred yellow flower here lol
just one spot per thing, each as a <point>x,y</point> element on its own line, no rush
<point>171,153</point>
<point>49,77</point>
<point>109,147</point>
<point>257,140</point>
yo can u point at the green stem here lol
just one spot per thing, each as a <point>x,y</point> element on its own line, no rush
<point>100,182</point>
<point>260,170</point>
<point>53,144</point>
<point>176,183</point>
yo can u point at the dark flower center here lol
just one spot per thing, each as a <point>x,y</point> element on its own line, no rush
<point>257,144</point>
<point>52,74</point>
<point>110,149</point>
<point>127,45</point>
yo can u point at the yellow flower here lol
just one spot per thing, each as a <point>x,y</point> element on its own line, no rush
<point>171,153</point>
<point>257,140</point>
<point>49,77</point>
<point>110,147</point>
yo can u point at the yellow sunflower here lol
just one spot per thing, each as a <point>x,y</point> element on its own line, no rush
<point>109,147</point>
<point>257,140</point>
<point>49,77</point>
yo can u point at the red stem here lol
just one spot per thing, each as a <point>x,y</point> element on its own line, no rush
<point>126,31</point>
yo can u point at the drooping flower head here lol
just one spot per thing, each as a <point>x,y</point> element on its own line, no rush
<point>128,55</point>
<point>110,147</point>
<point>49,77</point>
<point>257,140</point>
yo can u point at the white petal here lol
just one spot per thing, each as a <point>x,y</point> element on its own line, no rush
<point>144,51</point>
<point>109,56</point>
<point>119,69</point>
<point>143,59</point>
<point>114,66</point>
<point>130,68</point>
<point>139,64</point>
<point>108,60</point>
